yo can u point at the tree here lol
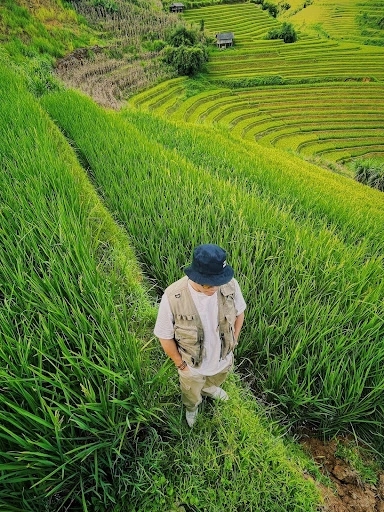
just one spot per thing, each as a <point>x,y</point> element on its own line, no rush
<point>181,36</point>
<point>186,51</point>
<point>271,8</point>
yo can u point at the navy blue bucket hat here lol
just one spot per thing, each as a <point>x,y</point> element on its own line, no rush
<point>209,266</point>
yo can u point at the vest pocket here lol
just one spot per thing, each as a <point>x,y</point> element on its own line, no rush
<point>188,344</point>
<point>227,336</point>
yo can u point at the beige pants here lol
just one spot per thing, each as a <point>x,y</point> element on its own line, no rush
<point>195,386</point>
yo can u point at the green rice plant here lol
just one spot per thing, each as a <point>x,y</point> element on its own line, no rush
<point>313,285</point>
<point>331,196</point>
<point>370,172</point>
<point>77,389</point>
<point>353,152</point>
<point>83,417</point>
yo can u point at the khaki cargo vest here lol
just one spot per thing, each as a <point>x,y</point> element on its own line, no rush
<point>189,334</point>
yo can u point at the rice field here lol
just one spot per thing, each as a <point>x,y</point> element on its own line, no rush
<point>90,417</point>
<point>310,263</point>
<point>319,98</point>
<point>100,211</point>
<point>341,19</point>
<point>247,20</point>
<point>337,121</point>
<point>73,372</point>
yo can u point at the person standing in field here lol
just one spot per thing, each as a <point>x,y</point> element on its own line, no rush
<point>198,324</point>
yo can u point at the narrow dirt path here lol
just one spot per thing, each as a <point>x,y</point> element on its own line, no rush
<point>350,494</point>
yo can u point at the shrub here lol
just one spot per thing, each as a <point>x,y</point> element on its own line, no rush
<point>187,60</point>
<point>285,6</point>
<point>287,33</point>
<point>187,51</point>
<point>370,172</point>
<point>181,36</point>
<point>271,8</point>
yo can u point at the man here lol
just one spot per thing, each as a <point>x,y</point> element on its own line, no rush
<point>198,325</point>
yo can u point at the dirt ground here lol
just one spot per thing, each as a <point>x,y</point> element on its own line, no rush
<point>350,493</point>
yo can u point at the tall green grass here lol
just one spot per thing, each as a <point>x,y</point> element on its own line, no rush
<point>314,325</point>
<point>76,383</point>
<point>90,418</point>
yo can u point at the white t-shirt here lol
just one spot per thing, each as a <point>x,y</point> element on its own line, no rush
<point>207,307</point>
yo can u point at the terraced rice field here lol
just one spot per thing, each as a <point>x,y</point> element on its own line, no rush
<point>339,19</point>
<point>320,98</point>
<point>335,121</point>
<point>304,60</point>
<point>250,22</point>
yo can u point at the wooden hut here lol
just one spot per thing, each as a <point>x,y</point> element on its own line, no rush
<point>224,39</point>
<point>176,7</point>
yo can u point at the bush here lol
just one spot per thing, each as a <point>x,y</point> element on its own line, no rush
<point>271,8</point>
<point>181,36</point>
<point>187,51</point>
<point>287,33</point>
<point>187,60</point>
<point>370,172</point>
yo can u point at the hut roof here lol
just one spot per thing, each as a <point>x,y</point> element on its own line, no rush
<point>224,36</point>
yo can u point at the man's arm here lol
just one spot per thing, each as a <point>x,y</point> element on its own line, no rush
<point>238,325</point>
<point>170,348</point>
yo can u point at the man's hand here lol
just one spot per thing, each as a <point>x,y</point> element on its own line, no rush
<point>170,348</point>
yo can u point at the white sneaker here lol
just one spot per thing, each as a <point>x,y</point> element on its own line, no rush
<point>191,417</point>
<point>220,394</point>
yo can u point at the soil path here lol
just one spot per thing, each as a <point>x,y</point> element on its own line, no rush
<point>351,494</point>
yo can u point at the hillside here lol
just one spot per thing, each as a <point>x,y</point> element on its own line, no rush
<point>320,97</point>
<point>100,211</point>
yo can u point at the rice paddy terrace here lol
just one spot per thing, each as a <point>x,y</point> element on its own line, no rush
<point>319,97</point>
<point>340,19</point>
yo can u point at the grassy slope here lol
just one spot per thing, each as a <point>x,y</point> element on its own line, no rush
<point>41,28</point>
<point>80,402</point>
